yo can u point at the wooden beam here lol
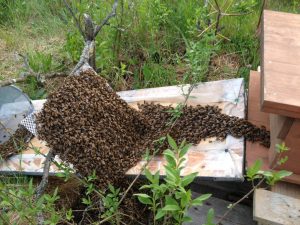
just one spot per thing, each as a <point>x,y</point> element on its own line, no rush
<point>287,124</point>
<point>280,52</point>
<point>271,208</point>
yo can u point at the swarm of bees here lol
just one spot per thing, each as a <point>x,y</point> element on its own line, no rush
<point>201,122</point>
<point>90,126</point>
<point>15,144</point>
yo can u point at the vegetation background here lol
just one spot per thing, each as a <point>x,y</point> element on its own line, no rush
<point>148,44</point>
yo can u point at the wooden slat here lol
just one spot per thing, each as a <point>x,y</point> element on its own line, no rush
<point>291,190</point>
<point>292,141</point>
<point>255,151</point>
<point>288,122</point>
<point>281,63</point>
<point>276,123</point>
<point>271,208</point>
<point>241,215</point>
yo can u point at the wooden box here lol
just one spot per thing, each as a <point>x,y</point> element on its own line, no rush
<point>280,84</point>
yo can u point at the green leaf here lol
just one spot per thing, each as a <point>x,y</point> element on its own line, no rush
<point>267,173</point>
<point>253,170</point>
<point>156,177</point>
<point>171,201</point>
<point>187,219</point>
<point>210,217</point>
<point>170,173</point>
<point>146,186</point>
<point>160,213</point>
<point>283,173</point>
<point>69,215</point>
<point>86,201</point>
<point>184,150</point>
<point>283,160</point>
<point>61,175</point>
<point>148,175</point>
<point>172,142</point>
<point>144,198</point>
<point>171,208</point>
<point>281,148</point>
<point>188,179</point>
<point>170,160</point>
<point>111,188</point>
<point>200,199</point>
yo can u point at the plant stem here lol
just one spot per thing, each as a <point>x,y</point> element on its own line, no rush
<point>240,200</point>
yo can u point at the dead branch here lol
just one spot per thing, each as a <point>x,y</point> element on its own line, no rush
<point>75,19</point>
<point>44,182</point>
<point>22,79</point>
<point>30,72</point>
<point>91,30</point>
<point>105,21</point>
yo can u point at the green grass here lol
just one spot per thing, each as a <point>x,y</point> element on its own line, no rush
<point>150,38</point>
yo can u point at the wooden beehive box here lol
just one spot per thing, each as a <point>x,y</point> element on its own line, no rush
<point>280,83</point>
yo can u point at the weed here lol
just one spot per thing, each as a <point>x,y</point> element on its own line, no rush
<point>170,200</point>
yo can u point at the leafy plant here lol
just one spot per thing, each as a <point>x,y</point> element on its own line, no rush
<point>33,88</point>
<point>271,177</point>
<point>175,113</point>
<point>17,205</point>
<point>169,200</point>
<point>210,217</point>
<point>111,205</point>
<point>40,62</point>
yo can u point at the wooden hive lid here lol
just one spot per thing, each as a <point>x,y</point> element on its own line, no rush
<point>280,54</point>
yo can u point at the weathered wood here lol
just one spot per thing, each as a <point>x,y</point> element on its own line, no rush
<point>271,208</point>
<point>288,189</point>
<point>255,151</point>
<point>280,63</point>
<point>276,123</point>
<point>22,79</point>
<point>241,215</point>
<point>287,124</point>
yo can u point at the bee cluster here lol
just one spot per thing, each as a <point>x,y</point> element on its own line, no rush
<point>90,126</point>
<point>15,144</point>
<point>200,122</point>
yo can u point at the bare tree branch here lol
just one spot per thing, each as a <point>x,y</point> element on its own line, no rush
<point>88,27</point>
<point>22,79</point>
<point>42,186</point>
<point>44,182</point>
<point>26,63</point>
<point>84,58</point>
<point>105,21</point>
<point>75,18</point>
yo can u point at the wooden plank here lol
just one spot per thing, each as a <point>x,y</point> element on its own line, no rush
<point>254,114</point>
<point>280,63</point>
<point>255,151</point>
<point>275,209</point>
<point>241,215</point>
<point>288,189</point>
<point>288,122</point>
<point>292,141</point>
<point>276,123</point>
